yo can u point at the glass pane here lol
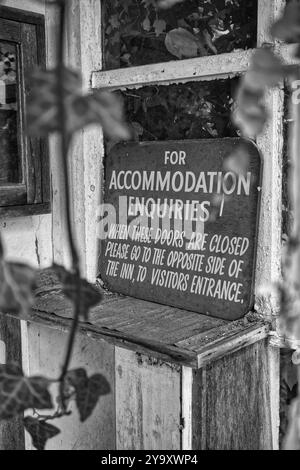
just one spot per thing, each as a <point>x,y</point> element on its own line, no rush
<point>194,110</point>
<point>10,156</point>
<point>137,33</point>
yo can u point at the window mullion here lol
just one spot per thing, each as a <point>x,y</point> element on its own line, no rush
<point>203,68</point>
<point>271,146</point>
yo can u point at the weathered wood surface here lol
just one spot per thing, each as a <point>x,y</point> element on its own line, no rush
<point>10,30</point>
<point>11,431</point>
<point>25,210</point>
<point>12,195</point>
<point>149,328</point>
<point>46,349</point>
<point>203,68</point>
<point>27,15</point>
<point>231,402</point>
<point>148,404</point>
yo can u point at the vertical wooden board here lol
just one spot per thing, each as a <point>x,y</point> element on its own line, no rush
<point>274,372</point>
<point>29,5</point>
<point>270,143</point>
<point>187,407</point>
<point>232,406</point>
<point>148,405</point>
<point>46,352</point>
<point>12,431</point>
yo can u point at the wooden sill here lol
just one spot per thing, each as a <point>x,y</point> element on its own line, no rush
<point>166,333</point>
<point>25,210</point>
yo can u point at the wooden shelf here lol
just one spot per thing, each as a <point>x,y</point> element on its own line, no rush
<point>166,333</point>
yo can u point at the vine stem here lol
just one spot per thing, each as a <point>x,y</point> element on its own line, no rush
<point>65,145</point>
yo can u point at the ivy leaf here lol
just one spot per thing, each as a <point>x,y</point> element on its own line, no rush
<point>209,41</point>
<point>114,21</point>
<point>292,438</point>
<point>105,108</point>
<point>101,107</point>
<point>181,43</point>
<point>159,26</point>
<point>88,391</point>
<point>43,106</point>
<point>90,296</point>
<point>267,69</point>
<point>146,24</point>
<point>17,283</point>
<point>287,28</point>
<point>40,431</point>
<point>18,393</point>
<point>250,114</point>
<point>138,130</point>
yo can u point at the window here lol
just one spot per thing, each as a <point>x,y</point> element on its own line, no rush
<point>192,110</point>
<point>24,176</point>
<point>229,61</point>
<point>137,33</point>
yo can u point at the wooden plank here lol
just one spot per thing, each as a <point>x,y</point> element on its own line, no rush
<point>238,338</point>
<point>148,327</point>
<point>25,210</point>
<point>13,195</point>
<point>126,314</point>
<point>198,421</point>
<point>156,349</point>
<point>176,353</point>
<point>9,30</point>
<point>32,155</point>
<point>148,405</point>
<point>269,238</point>
<point>11,431</point>
<point>187,408</point>
<point>201,68</point>
<point>235,408</point>
<point>98,433</point>
<point>271,144</point>
<point>84,53</point>
<point>18,15</point>
<point>274,390</point>
<point>268,12</point>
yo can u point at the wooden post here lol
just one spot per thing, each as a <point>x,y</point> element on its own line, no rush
<point>11,431</point>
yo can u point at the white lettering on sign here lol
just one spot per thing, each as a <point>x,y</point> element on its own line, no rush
<point>203,182</point>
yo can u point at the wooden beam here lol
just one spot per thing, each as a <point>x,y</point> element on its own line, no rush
<point>200,68</point>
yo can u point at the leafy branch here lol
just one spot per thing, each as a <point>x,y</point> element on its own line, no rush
<point>57,104</point>
<point>151,31</point>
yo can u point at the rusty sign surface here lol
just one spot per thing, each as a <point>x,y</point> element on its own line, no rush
<point>179,224</point>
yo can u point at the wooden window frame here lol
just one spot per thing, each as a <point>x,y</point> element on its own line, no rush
<point>32,195</point>
<point>270,142</point>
